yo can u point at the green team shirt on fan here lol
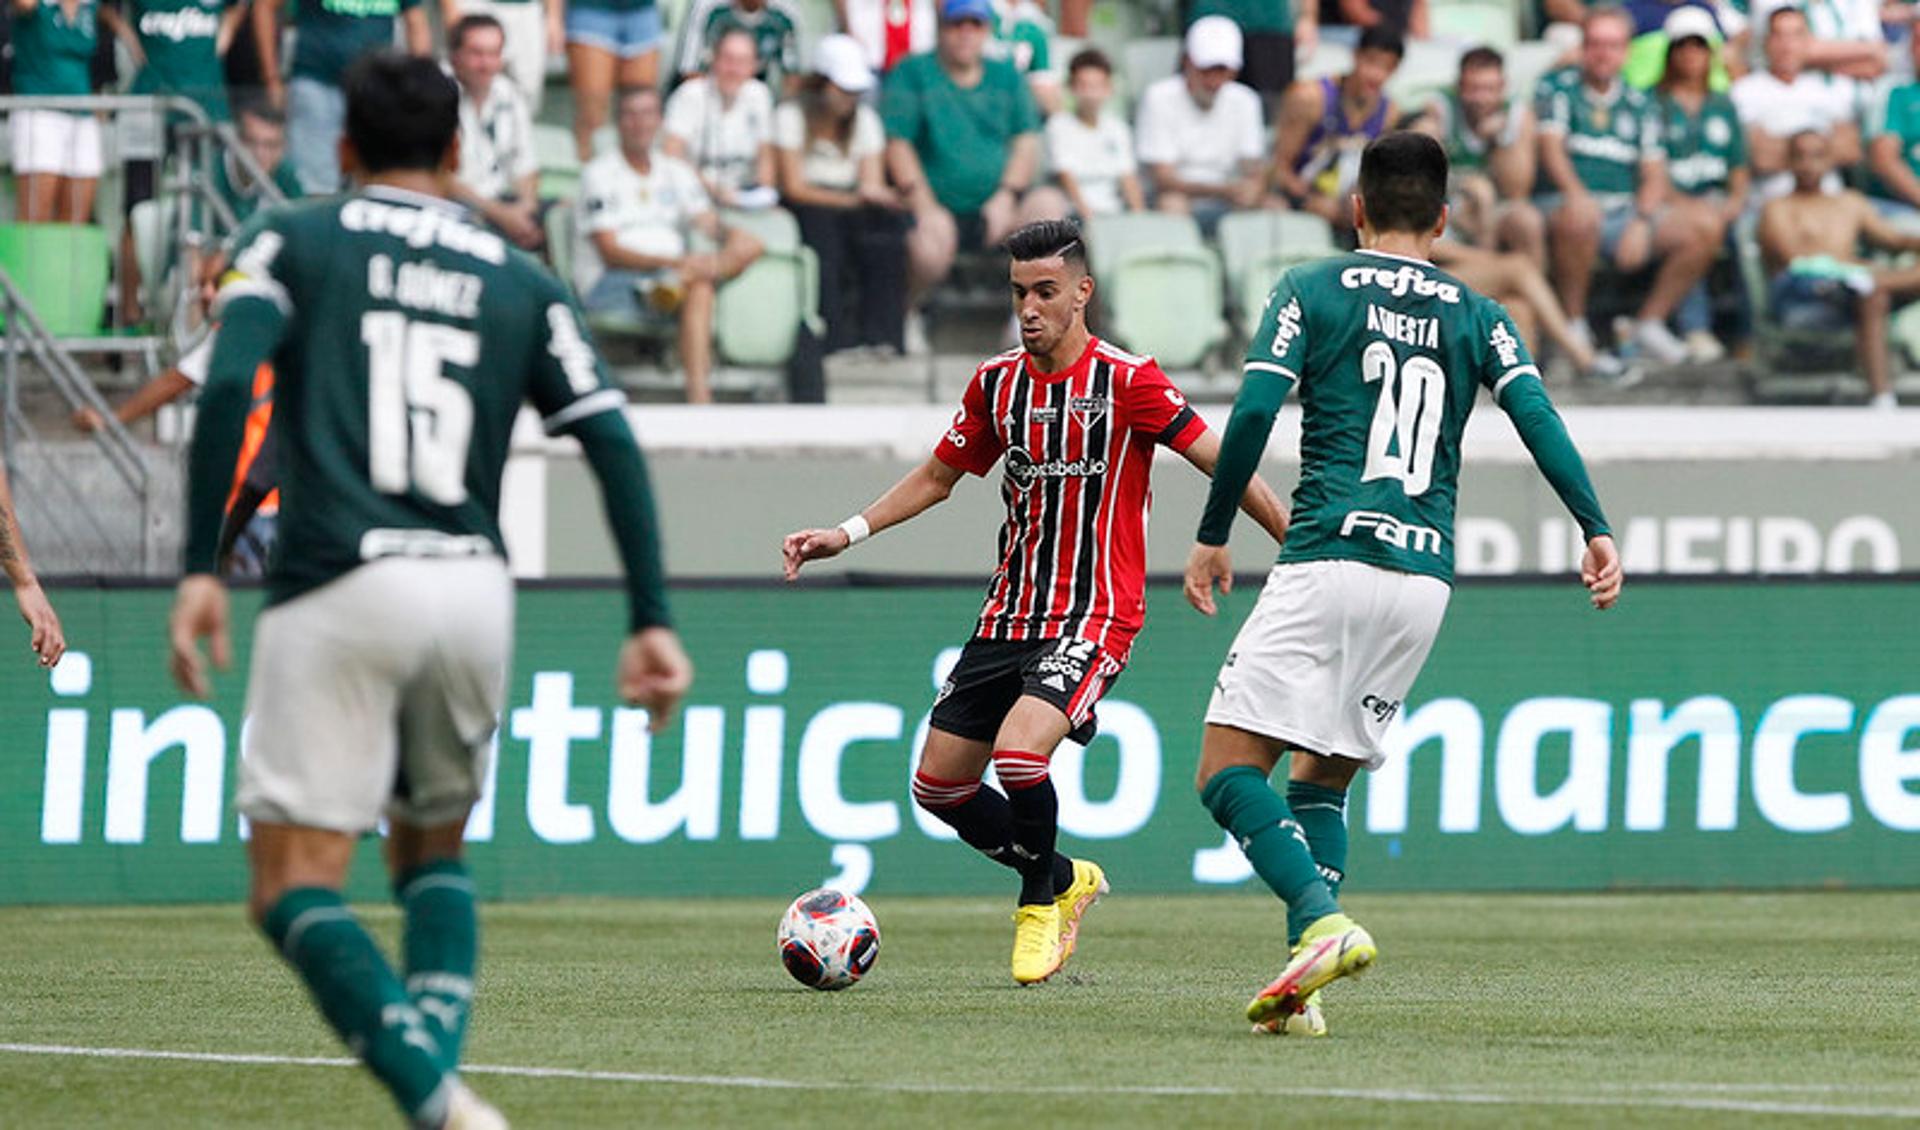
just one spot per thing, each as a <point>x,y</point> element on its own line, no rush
<point>776,39</point>
<point>412,337</point>
<point>612,5</point>
<point>1898,114</point>
<point>1388,354</point>
<point>244,202</point>
<point>178,38</point>
<point>333,33</point>
<point>1608,134</point>
<point>52,54</point>
<point>1467,151</point>
<point>963,137</point>
<point>1023,36</point>
<point>1255,17</point>
<point>1703,151</point>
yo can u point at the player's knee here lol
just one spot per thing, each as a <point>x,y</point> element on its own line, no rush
<point>937,794</point>
<point>1018,769</point>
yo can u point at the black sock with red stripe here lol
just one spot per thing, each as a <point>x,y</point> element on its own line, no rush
<point>983,819</point>
<point>1035,809</point>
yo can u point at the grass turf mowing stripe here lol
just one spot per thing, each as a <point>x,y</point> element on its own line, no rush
<point>1385,1095</point>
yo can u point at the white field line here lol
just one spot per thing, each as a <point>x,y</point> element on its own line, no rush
<point>1702,1100</point>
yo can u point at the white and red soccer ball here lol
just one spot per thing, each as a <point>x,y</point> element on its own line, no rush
<point>828,939</point>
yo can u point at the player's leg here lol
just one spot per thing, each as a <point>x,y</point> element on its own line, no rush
<point>1317,797</point>
<point>440,941</point>
<point>1873,313</point>
<point>696,339</point>
<point>947,784</point>
<point>1233,781</point>
<point>1521,229</point>
<point>1574,227</point>
<point>1022,750</point>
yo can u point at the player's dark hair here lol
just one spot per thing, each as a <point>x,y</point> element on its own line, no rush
<point>1048,239</point>
<point>1403,182</point>
<point>467,25</point>
<point>403,111</point>
<point>1480,57</point>
<point>1382,39</point>
<point>1091,57</point>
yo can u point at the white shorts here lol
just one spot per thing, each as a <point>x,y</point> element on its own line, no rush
<point>378,693</point>
<point>1327,656</point>
<point>55,142</point>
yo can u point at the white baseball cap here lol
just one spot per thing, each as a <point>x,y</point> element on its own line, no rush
<point>1214,41</point>
<point>1690,23</point>
<point>844,63</point>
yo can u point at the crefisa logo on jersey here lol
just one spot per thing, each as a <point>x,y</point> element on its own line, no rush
<point>1400,283</point>
<point>1023,468</point>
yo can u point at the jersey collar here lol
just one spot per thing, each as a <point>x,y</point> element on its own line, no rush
<point>1396,258</point>
<point>1079,363</point>
<point>416,199</point>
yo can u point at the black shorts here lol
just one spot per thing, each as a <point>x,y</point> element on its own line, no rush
<point>972,230</point>
<point>1069,674</point>
<point>1269,67</point>
<point>141,183</point>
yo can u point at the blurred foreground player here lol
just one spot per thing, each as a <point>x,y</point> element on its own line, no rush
<point>1078,421</point>
<point>1389,353</point>
<point>405,335</point>
<point>49,643</point>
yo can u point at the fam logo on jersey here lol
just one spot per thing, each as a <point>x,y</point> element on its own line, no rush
<point>1400,282</point>
<point>1089,410</point>
<point>1023,468</point>
<point>1386,528</point>
<point>1504,344</point>
<point>1382,709</point>
<point>1286,327</point>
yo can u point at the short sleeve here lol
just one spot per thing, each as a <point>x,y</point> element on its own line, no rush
<point>1251,145</point>
<point>1279,344</point>
<point>684,112</point>
<point>599,198</point>
<point>1503,356</point>
<point>1025,112</point>
<point>525,164</point>
<point>260,264</point>
<point>971,443</point>
<point>869,137</point>
<point>1152,133</point>
<point>195,363</point>
<point>1154,407</point>
<point>900,106</point>
<point>1653,133</point>
<point>790,127</point>
<point>1748,106</point>
<point>1552,106</point>
<point>1122,136</point>
<point>569,383</point>
<point>1736,143</point>
<point>698,203</point>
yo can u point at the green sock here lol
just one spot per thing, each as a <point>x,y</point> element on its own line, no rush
<point>360,996</point>
<point>441,939</point>
<point>1245,805</point>
<point>1321,813</point>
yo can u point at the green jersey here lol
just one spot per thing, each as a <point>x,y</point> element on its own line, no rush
<point>963,137</point>
<point>1899,114</point>
<point>1023,36</point>
<point>1255,17</point>
<point>408,336</point>
<point>333,33</point>
<point>51,53</point>
<point>178,39</point>
<point>1467,151</point>
<point>776,38</point>
<point>245,201</point>
<point>1608,134</point>
<point>1703,151</point>
<point>1389,355</point>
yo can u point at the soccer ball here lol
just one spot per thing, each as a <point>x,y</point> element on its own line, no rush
<point>828,939</point>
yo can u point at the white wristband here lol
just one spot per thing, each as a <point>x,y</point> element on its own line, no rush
<point>856,529</point>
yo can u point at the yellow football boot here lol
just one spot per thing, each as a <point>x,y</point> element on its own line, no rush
<point>1036,943</point>
<point>1089,883</point>
<point>1309,1021</point>
<point>1331,948</point>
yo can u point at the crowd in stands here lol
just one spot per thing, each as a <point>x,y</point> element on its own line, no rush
<point>1604,200</point>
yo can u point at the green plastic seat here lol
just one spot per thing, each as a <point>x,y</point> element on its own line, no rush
<point>1112,238</point>
<point>1476,22</point>
<point>1257,246</point>
<point>62,271</point>
<point>757,316</point>
<point>1165,302</point>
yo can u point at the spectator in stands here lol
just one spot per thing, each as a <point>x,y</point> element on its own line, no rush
<point>611,44</point>
<point>1489,139</point>
<point>722,124</point>
<point>1090,150</point>
<point>530,31</point>
<point>1706,160</point>
<point>1199,132</point>
<point>890,30</point>
<point>1786,99</point>
<point>57,159</point>
<point>1894,152</point>
<point>1647,50</point>
<point>1403,19</point>
<point>1023,36</point>
<point>330,37</point>
<point>263,134</point>
<point>1846,41</point>
<point>963,144</point>
<point>829,147</point>
<point>1275,36</point>
<point>1603,184</point>
<point>1810,239</point>
<point>638,211</point>
<point>1326,122</point>
<point>774,25</point>
<point>499,176</point>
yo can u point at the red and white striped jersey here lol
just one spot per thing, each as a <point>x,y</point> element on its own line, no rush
<point>1079,451</point>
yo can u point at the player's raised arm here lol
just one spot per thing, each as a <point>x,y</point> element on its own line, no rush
<point>1515,381</point>
<point>252,307</point>
<point>918,490</point>
<point>1270,370</point>
<point>570,389</point>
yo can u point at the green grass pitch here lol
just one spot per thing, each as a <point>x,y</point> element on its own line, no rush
<point>1601,1010</point>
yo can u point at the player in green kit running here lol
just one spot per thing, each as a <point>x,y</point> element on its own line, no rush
<point>1389,353</point>
<point>405,335</point>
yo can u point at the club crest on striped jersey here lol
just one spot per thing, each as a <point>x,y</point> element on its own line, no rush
<point>1089,410</point>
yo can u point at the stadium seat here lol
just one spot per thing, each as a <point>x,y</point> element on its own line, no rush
<point>1430,66</point>
<point>1110,238</point>
<point>757,316</point>
<point>1327,59</point>
<point>1149,60</point>
<point>1792,366</point>
<point>559,163</point>
<point>1526,62</point>
<point>560,237</point>
<point>1475,23</point>
<point>1165,302</point>
<point>1257,246</point>
<point>62,271</point>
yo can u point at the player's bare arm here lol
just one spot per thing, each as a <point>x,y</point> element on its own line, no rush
<point>918,490</point>
<point>45,637</point>
<point>1600,571</point>
<point>200,612</point>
